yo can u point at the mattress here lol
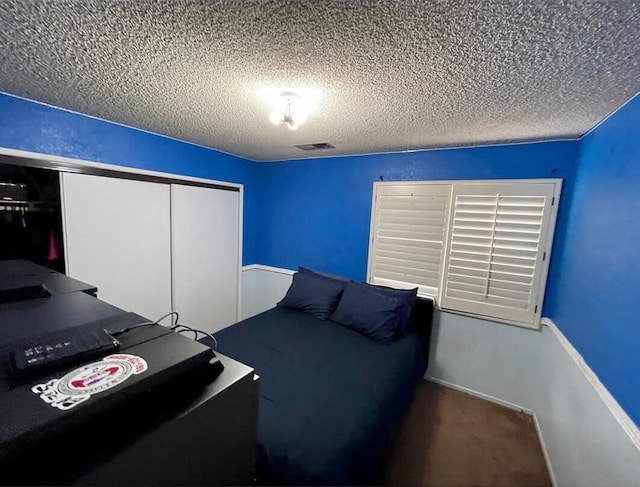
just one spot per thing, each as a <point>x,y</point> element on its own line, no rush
<point>330,398</point>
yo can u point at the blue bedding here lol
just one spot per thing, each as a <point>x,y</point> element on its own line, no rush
<point>330,398</point>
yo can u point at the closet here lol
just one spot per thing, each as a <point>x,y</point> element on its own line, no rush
<point>150,243</point>
<point>30,217</point>
<point>155,247</point>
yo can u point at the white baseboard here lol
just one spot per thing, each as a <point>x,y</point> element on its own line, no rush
<point>623,419</point>
<point>481,395</point>
<point>509,405</point>
<point>545,452</point>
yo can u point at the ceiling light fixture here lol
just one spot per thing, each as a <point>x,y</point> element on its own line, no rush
<point>289,111</point>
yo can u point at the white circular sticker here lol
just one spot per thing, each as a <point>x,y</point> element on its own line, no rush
<point>78,385</point>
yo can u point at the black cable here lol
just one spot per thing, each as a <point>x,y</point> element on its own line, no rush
<point>175,326</point>
<point>148,323</point>
<point>196,331</point>
<point>129,328</point>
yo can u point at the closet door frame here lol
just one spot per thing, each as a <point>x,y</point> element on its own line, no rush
<point>69,164</point>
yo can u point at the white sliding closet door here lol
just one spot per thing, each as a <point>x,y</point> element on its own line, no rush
<point>118,237</point>
<point>206,255</point>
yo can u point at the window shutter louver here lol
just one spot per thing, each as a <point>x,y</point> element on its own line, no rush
<point>408,236</point>
<point>497,241</point>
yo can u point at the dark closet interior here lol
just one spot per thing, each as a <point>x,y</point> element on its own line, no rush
<point>31,216</point>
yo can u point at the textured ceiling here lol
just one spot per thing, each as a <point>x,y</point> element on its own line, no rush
<point>389,75</point>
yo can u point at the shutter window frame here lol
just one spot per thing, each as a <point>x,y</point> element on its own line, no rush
<point>496,246</point>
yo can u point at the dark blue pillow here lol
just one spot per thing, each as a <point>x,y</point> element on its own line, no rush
<point>368,312</point>
<point>313,295</point>
<point>406,301</point>
<point>330,277</point>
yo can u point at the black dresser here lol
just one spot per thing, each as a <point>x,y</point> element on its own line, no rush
<point>195,429</point>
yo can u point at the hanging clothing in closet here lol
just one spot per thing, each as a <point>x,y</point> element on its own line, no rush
<point>30,215</point>
<point>30,233</point>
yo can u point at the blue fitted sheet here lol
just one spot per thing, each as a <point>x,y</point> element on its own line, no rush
<point>330,398</point>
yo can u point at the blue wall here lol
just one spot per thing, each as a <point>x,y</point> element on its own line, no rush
<point>31,126</point>
<point>316,212</point>
<point>597,303</point>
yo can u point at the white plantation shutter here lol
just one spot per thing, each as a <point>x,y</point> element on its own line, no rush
<point>408,236</point>
<point>496,250</point>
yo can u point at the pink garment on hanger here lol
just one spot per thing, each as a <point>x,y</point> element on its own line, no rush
<point>55,249</point>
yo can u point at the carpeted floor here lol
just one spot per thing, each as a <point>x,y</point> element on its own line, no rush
<point>450,438</point>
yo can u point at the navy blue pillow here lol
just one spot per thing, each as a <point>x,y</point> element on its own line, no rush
<point>368,312</point>
<point>313,295</point>
<point>337,279</point>
<point>406,301</point>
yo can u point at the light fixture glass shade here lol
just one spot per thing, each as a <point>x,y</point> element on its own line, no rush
<point>298,113</point>
<point>275,117</point>
<point>288,110</point>
<point>289,106</point>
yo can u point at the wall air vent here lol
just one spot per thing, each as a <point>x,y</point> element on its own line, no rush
<point>321,145</point>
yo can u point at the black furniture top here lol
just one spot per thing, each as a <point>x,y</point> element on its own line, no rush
<point>36,316</point>
<point>22,273</point>
<point>149,430</point>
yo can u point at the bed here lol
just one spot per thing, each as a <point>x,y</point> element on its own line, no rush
<point>330,397</point>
